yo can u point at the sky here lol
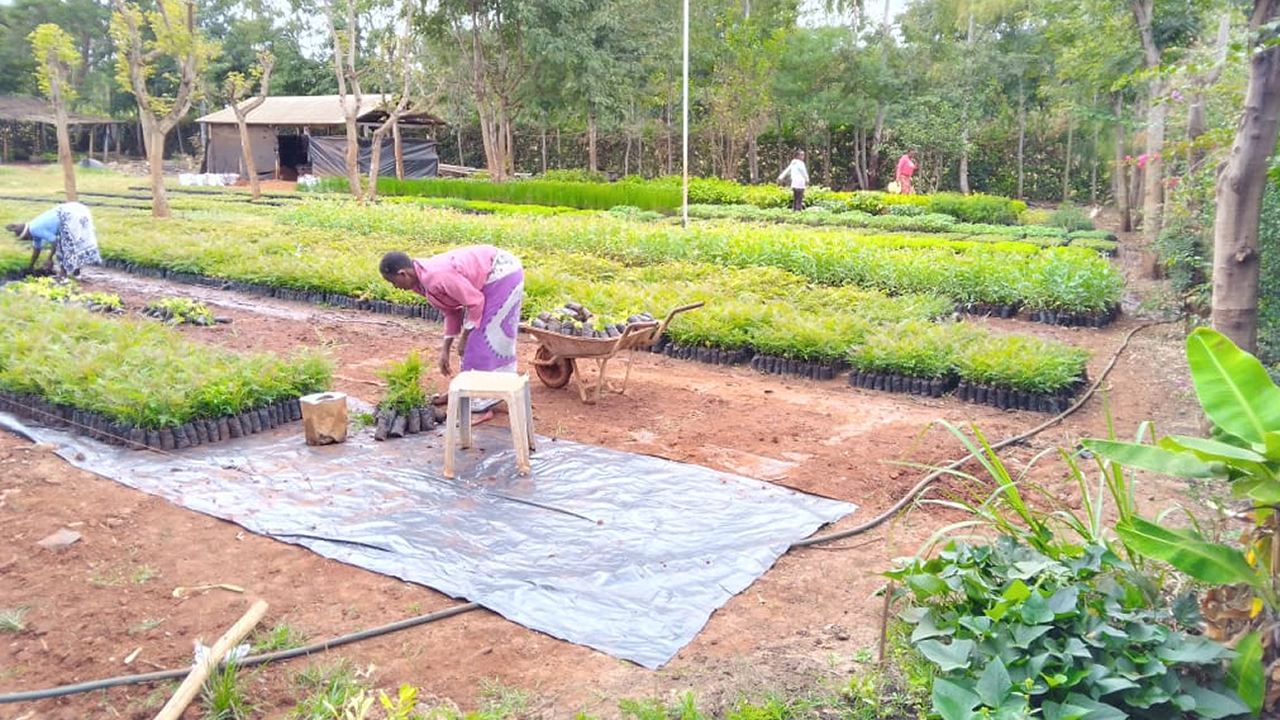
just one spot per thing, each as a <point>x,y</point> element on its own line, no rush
<point>812,13</point>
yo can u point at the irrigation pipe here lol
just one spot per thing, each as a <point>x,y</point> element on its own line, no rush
<point>467,607</point>
<point>243,662</point>
<point>957,464</point>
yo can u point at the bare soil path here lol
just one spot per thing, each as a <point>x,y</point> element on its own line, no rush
<point>808,621</point>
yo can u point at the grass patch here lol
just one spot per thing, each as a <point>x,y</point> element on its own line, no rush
<point>223,696</point>
<point>14,620</point>
<point>325,688</point>
<point>281,636</point>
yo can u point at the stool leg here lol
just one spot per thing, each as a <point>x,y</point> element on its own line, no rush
<point>451,430</point>
<point>519,435</point>
<point>464,420</point>
<point>528,414</point>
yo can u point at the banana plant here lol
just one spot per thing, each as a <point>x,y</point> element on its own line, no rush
<point>1243,404</point>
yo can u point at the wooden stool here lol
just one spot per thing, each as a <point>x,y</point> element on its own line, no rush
<point>474,385</point>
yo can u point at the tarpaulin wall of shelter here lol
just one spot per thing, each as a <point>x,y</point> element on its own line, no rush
<point>222,154</point>
<point>329,156</point>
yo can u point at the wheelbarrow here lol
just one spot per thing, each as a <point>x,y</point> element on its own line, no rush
<point>556,360</point>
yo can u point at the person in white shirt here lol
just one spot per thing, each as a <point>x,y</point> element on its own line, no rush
<point>799,180</point>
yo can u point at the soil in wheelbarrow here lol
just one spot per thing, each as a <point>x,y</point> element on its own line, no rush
<point>807,623</point>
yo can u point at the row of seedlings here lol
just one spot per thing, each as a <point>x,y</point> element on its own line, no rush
<point>140,384</point>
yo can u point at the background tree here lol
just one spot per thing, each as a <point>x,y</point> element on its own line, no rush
<point>738,105</point>
<point>588,58</point>
<point>491,49</point>
<point>401,60</point>
<point>346,39</point>
<point>1241,183</point>
<point>236,86</point>
<point>162,44</point>
<point>56,56</point>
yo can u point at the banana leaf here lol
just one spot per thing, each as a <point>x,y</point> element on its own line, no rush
<point>1234,389</point>
<point>1187,551</point>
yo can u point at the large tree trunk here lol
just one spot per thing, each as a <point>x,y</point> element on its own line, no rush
<point>64,140</point>
<point>1153,172</point>
<point>964,119</point>
<point>1066,165</point>
<point>398,142</point>
<point>1239,196</point>
<point>753,159</point>
<point>353,152</point>
<point>1197,122</point>
<point>670,134</point>
<point>246,155</point>
<point>155,162</point>
<point>1120,178</point>
<point>593,160</point>
<point>1022,138</point>
<point>873,151</point>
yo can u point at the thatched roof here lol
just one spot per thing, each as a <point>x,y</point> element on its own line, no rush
<point>317,111</point>
<point>23,108</point>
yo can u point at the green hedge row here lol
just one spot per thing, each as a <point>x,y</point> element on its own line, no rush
<point>664,195</point>
<point>823,216</point>
<point>970,273</point>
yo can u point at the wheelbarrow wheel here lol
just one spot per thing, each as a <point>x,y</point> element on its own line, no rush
<point>554,372</point>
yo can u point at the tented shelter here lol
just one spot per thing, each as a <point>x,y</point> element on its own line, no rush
<point>17,109</point>
<point>295,135</point>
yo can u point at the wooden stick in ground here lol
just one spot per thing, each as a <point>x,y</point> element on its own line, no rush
<point>187,691</point>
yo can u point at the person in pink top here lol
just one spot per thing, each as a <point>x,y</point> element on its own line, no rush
<point>906,168</point>
<point>479,290</point>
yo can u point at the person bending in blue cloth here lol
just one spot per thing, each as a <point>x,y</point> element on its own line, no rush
<point>66,231</point>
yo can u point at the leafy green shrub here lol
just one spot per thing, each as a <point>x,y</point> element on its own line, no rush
<point>631,212</point>
<point>1107,247</point>
<point>764,196</point>
<point>913,348</point>
<point>977,208</point>
<point>1016,633</point>
<point>872,203</point>
<point>404,385</point>
<point>1022,362</point>
<point>1074,279</point>
<point>1269,276</point>
<point>716,191</point>
<point>1070,218</point>
<point>906,210</point>
<point>1183,246</point>
<point>1035,216</point>
<point>1092,235</point>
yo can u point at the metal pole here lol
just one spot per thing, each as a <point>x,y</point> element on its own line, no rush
<point>684,192</point>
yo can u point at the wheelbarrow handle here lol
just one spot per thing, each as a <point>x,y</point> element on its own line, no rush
<point>690,306</point>
<point>681,309</point>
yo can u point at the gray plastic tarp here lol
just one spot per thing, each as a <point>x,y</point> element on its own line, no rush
<point>629,554</point>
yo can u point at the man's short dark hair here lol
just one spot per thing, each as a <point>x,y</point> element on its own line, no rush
<point>395,261</point>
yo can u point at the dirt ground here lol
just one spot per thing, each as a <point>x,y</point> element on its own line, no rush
<point>105,606</point>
